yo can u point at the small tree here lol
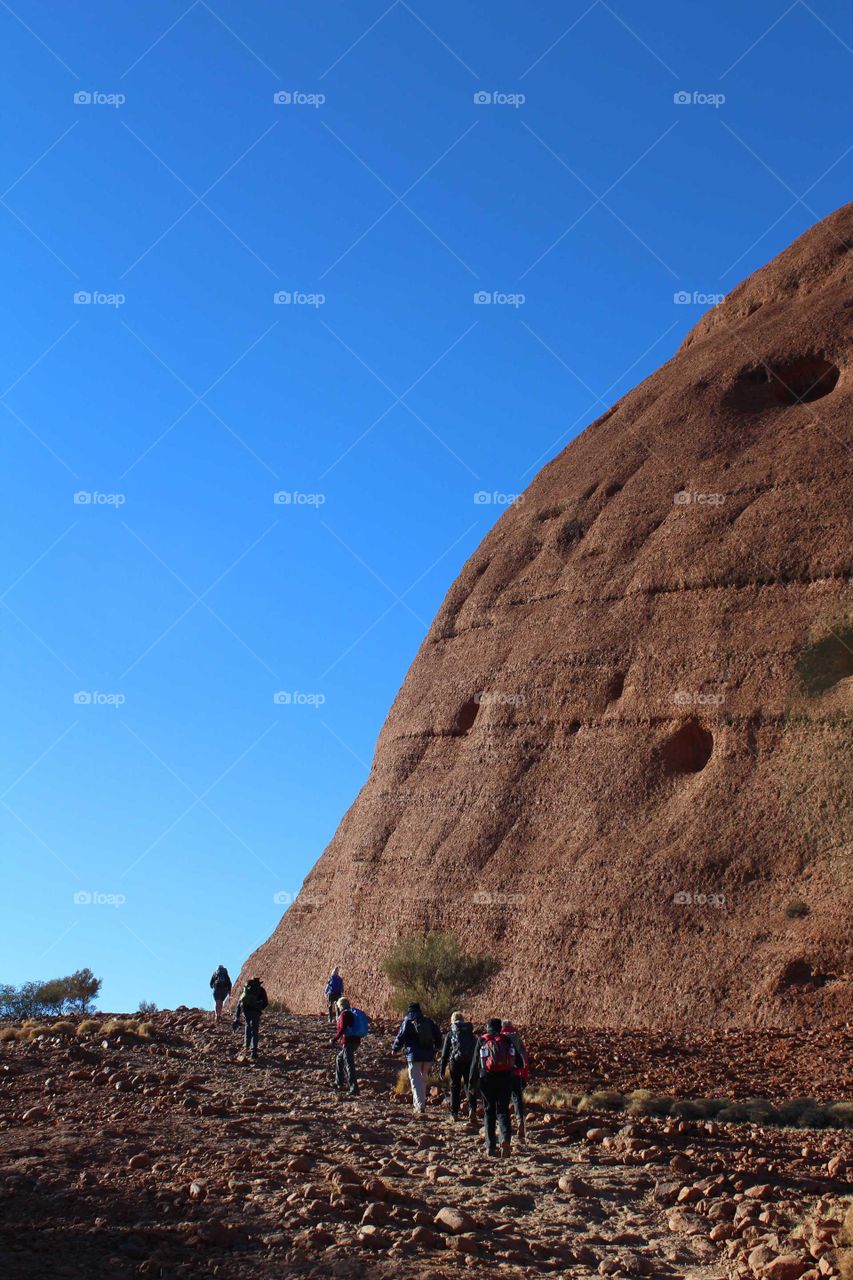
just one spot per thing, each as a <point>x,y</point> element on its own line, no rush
<point>434,970</point>
<point>52,996</point>
<point>147,1007</point>
<point>82,987</point>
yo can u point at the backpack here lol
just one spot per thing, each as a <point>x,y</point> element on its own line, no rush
<point>335,986</point>
<point>424,1034</point>
<point>220,978</point>
<point>497,1055</point>
<point>462,1040</point>
<point>360,1025</point>
<point>252,997</point>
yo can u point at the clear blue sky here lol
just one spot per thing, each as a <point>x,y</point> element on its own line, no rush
<point>181,197</point>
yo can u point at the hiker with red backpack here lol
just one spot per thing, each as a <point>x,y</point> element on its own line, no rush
<point>495,1061</point>
<point>456,1055</point>
<point>519,1077</point>
<point>352,1026</point>
<point>421,1038</point>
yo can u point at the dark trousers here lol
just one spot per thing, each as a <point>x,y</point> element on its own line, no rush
<point>460,1069</point>
<point>518,1098</point>
<point>252,1018</point>
<point>496,1094</point>
<point>345,1065</point>
<point>333,1014</point>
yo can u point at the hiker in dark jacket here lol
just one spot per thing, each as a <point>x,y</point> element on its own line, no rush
<point>334,991</point>
<point>492,1067</point>
<point>421,1038</point>
<point>251,1005</point>
<point>456,1054</point>
<point>220,985</point>
<point>345,1061</point>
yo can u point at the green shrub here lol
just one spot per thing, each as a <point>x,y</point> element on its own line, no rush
<point>434,970</point>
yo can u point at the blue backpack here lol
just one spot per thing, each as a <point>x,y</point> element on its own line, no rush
<point>360,1025</point>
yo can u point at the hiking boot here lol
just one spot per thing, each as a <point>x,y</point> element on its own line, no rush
<point>353,1093</point>
<point>491,1151</point>
<point>506,1148</point>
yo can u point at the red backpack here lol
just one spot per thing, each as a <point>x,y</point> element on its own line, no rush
<point>497,1055</point>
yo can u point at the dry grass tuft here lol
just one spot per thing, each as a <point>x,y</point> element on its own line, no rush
<point>88,1027</point>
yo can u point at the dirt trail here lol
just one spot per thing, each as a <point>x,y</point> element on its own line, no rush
<point>172,1158</point>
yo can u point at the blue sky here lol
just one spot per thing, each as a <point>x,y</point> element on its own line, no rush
<point>156,598</point>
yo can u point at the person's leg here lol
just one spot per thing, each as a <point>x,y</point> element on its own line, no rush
<point>490,1115</point>
<point>518,1101</point>
<point>256,1027</point>
<point>349,1052</point>
<point>217,1007</point>
<point>503,1093</point>
<point>455,1089</point>
<point>417,1079</point>
<point>331,1010</point>
<point>340,1069</point>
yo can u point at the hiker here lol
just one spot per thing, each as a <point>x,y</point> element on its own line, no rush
<point>348,1035</point>
<point>251,1005</point>
<point>456,1054</point>
<point>334,991</point>
<point>519,1077</point>
<point>492,1067</point>
<point>220,985</point>
<point>421,1039</point>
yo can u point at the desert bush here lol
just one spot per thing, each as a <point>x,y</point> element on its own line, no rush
<point>796,910</point>
<point>696,1108</point>
<point>841,1113</point>
<point>8,1034</point>
<point>553,1099</point>
<point>34,1000</point>
<point>120,1026</point>
<point>602,1100</point>
<point>88,1027</point>
<point>434,969</point>
<point>62,1029</point>
<point>642,1102</point>
<point>845,1243</point>
<point>146,1008</point>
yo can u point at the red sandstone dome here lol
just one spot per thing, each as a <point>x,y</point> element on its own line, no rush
<point>621,758</point>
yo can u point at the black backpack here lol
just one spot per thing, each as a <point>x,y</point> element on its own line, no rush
<point>462,1041</point>
<point>424,1033</point>
<point>253,997</point>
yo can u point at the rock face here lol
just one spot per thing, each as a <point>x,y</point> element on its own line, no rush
<point>621,759</point>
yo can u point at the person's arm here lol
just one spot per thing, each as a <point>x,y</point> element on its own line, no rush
<point>339,1028</point>
<point>445,1054</point>
<point>436,1035</point>
<point>400,1038</point>
<point>474,1073</point>
<point>264,999</point>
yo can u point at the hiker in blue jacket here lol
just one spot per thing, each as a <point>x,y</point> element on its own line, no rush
<point>421,1038</point>
<point>334,991</point>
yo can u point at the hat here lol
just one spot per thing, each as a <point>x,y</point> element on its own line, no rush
<point>414,1007</point>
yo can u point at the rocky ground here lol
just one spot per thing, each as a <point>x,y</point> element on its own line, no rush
<point>170,1157</point>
